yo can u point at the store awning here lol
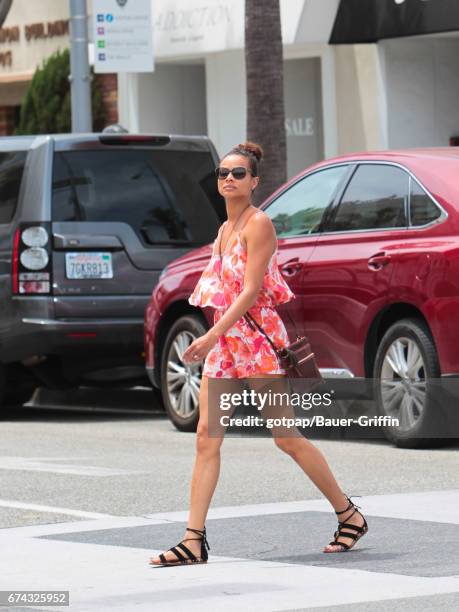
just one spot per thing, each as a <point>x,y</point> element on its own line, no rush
<point>367,21</point>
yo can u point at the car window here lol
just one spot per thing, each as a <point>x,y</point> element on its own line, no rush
<point>168,197</point>
<point>11,171</point>
<point>300,208</point>
<point>375,198</point>
<point>423,209</point>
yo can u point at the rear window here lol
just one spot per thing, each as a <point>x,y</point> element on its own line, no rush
<point>11,171</point>
<point>374,199</point>
<point>422,209</point>
<point>167,197</point>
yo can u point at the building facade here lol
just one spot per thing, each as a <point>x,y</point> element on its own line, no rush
<point>32,31</point>
<point>199,82</point>
<point>397,67</point>
<point>357,75</point>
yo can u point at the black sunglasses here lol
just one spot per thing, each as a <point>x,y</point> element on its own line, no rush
<point>238,173</point>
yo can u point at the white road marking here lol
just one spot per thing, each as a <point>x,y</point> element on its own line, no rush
<point>47,464</point>
<point>112,522</point>
<point>6,503</point>
<point>108,577</point>
<point>435,506</point>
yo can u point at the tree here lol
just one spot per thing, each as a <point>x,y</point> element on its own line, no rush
<point>265,91</point>
<point>46,108</point>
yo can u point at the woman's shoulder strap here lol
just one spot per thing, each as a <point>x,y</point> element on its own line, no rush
<point>217,237</point>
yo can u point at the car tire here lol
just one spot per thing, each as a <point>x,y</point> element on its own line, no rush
<point>401,393</point>
<point>20,384</point>
<point>19,396</point>
<point>180,382</point>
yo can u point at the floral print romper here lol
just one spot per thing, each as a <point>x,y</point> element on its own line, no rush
<point>241,352</point>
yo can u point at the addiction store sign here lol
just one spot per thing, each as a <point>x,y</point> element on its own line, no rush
<point>185,27</point>
<point>196,27</point>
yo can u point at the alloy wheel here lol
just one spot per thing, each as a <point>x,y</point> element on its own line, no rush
<point>183,380</point>
<point>403,384</point>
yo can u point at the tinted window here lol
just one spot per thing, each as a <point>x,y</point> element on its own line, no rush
<point>375,198</point>
<point>11,169</point>
<point>422,209</point>
<point>299,210</point>
<point>168,197</point>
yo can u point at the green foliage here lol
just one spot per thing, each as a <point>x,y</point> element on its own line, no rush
<point>46,107</point>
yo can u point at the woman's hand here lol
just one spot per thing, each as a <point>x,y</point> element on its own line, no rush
<point>199,348</point>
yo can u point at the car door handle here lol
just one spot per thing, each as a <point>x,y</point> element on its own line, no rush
<point>291,267</point>
<point>378,261</point>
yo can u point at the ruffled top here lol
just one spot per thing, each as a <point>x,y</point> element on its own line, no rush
<point>219,293</point>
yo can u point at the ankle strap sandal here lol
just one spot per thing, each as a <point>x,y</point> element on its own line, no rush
<point>354,532</point>
<point>190,558</point>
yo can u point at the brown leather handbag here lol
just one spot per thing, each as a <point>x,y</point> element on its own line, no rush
<point>297,358</point>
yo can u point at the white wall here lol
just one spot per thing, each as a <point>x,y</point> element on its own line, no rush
<point>227,105</point>
<point>226,99</point>
<point>361,98</point>
<point>153,101</point>
<point>170,100</point>
<point>422,78</point>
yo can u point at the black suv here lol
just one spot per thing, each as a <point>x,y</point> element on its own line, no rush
<point>87,223</point>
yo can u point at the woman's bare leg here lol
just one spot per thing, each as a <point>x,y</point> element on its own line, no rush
<point>313,463</point>
<point>205,474</point>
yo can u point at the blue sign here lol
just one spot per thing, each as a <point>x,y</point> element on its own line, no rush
<point>100,17</point>
<point>102,57</point>
<point>109,17</point>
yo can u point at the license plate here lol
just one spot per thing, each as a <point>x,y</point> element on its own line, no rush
<point>88,265</point>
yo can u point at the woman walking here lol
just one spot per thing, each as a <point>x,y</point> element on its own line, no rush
<point>243,276</point>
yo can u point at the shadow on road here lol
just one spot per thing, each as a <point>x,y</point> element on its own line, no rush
<point>87,402</point>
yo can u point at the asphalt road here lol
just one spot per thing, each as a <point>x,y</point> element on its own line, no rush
<point>88,495</point>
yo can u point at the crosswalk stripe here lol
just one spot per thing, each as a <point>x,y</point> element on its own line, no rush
<point>6,503</point>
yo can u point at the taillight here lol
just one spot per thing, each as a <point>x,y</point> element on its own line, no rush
<point>35,258</point>
<point>35,236</point>
<point>32,259</point>
<point>16,261</point>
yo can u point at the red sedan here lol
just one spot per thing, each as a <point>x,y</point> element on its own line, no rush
<point>369,243</point>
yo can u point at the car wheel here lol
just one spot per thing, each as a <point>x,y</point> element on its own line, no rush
<point>406,365</point>
<point>180,382</point>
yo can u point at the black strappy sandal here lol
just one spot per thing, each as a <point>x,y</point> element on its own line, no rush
<point>358,531</point>
<point>191,558</point>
